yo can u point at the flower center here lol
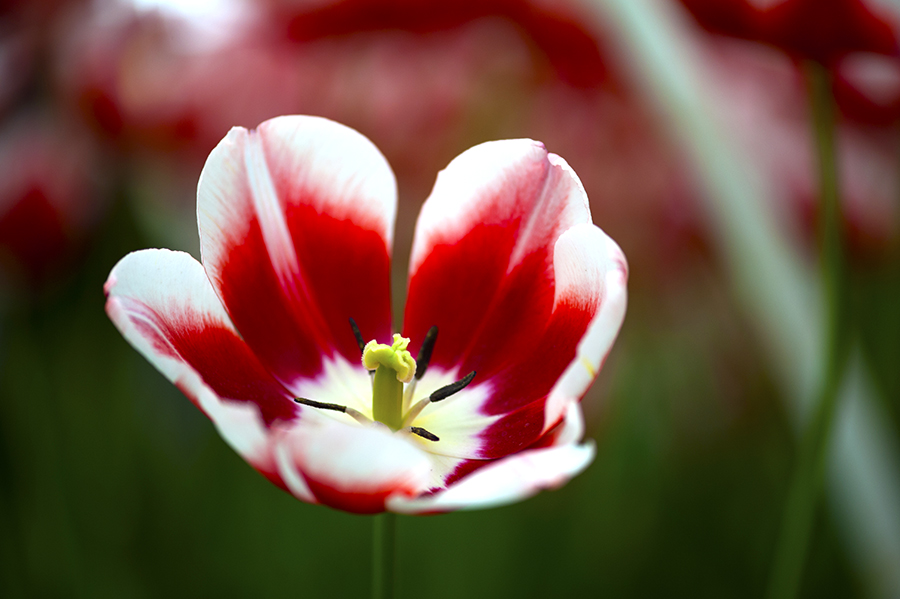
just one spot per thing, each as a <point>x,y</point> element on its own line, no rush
<point>392,367</point>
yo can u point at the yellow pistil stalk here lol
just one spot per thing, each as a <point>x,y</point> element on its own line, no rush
<point>393,366</point>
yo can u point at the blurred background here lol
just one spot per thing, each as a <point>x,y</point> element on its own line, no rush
<point>688,123</point>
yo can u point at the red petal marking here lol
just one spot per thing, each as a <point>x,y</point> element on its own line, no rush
<point>534,374</point>
<point>513,432</point>
<point>549,438</point>
<point>454,287</point>
<point>512,326</point>
<point>463,469</point>
<point>357,503</point>
<point>347,270</point>
<point>220,357</point>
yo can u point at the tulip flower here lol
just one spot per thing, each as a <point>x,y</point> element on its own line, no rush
<point>283,338</point>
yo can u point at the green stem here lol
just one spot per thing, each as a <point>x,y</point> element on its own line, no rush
<point>803,494</point>
<point>383,553</point>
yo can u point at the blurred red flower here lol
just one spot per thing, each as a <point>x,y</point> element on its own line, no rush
<point>423,80</point>
<point>48,196</point>
<point>822,30</point>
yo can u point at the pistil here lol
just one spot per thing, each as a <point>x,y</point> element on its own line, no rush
<point>394,366</point>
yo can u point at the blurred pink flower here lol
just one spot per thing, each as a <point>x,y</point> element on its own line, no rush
<point>296,225</point>
<point>762,98</point>
<point>151,80</point>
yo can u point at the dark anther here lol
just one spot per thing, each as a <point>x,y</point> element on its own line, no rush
<point>424,356</point>
<point>356,333</point>
<point>445,392</point>
<point>321,405</point>
<point>418,430</point>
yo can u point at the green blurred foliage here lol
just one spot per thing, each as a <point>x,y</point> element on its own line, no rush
<point>876,290</point>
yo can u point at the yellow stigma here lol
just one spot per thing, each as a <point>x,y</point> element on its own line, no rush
<point>394,356</point>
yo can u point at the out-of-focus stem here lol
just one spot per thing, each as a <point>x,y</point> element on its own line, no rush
<point>806,485</point>
<point>383,537</point>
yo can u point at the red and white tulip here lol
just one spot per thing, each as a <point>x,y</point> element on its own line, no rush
<point>296,226</point>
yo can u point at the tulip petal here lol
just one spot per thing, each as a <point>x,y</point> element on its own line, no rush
<point>578,275</point>
<point>351,467</point>
<point>589,301</point>
<point>507,480</point>
<point>500,482</point>
<point>164,306</point>
<point>481,265</point>
<point>296,223</point>
<point>523,287</point>
<point>567,431</point>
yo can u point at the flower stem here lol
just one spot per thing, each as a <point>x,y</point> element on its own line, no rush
<point>383,537</point>
<point>803,494</point>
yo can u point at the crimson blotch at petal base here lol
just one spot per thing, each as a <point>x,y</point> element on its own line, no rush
<point>296,222</point>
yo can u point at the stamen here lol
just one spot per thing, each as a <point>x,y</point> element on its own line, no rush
<point>414,411</point>
<point>424,356</point>
<point>447,391</point>
<point>418,430</point>
<point>358,334</point>
<point>442,393</point>
<point>321,405</point>
<point>359,340</point>
<point>355,414</point>
<point>422,361</point>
